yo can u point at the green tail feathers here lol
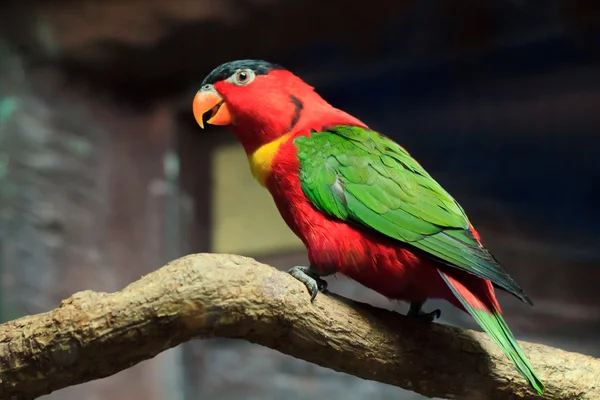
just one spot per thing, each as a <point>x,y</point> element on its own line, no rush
<point>496,327</point>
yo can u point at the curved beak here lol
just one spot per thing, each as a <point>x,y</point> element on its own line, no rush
<point>210,100</point>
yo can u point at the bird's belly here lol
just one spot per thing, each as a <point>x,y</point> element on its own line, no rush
<point>370,260</point>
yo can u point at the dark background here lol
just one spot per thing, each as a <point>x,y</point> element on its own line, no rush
<point>104,174</point>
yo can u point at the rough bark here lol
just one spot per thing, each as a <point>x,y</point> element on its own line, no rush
<point>93,335</point>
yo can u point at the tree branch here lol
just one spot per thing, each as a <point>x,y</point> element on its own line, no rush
<point>93,335</point>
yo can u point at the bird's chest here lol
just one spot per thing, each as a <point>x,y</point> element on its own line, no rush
<point>275,166</point>
<point>330,242</point>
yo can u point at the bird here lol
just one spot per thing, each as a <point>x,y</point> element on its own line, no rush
<point>360,203</point>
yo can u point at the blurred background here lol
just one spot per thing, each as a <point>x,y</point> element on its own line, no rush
<point>105,176</point>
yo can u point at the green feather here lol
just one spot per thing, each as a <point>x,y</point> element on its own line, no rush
<point>495,326</point>
<point>358,175</point>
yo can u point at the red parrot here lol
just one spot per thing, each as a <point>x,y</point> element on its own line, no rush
<point>362,206</point>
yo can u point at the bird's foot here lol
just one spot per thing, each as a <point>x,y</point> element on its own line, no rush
<point>415,310</point>
<point>310,278</point>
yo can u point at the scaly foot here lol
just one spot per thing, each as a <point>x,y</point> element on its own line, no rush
<point>415,310</point>
<point>310,278</point>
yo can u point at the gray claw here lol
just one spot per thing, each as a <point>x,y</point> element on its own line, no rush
<point>416,311</point>
<point>311,280</point>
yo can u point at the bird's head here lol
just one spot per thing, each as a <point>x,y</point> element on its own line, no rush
<point>258,101</point>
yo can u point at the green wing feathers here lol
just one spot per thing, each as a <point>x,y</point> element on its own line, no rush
<point>460,248</point>
<point>490,320</point>
<point>358,175</point>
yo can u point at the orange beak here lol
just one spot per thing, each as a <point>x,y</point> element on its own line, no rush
<point>211,101</point>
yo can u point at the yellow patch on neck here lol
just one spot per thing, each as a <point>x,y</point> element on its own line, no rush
<point>262,159</point>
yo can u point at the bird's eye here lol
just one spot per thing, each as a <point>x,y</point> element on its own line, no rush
<point>243,77</point>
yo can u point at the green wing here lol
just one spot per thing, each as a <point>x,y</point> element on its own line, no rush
<point>360,176</point>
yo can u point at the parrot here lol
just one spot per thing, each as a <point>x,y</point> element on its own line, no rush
<point>360,203</point>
